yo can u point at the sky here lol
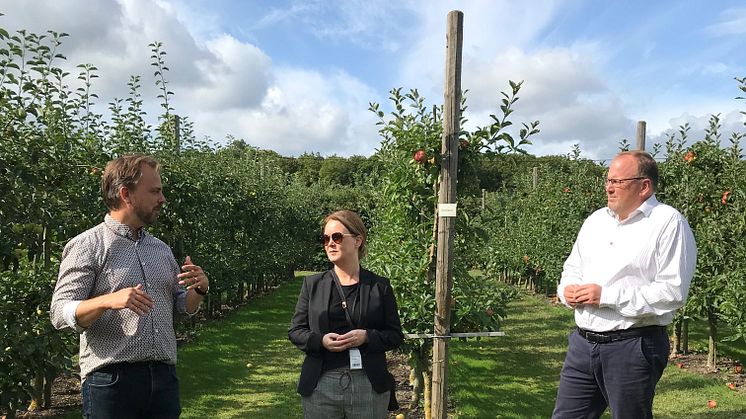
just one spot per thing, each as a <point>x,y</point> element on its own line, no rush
<point>298,76</point>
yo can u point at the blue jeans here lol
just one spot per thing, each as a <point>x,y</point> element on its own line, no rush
<point>132,390</point>
<point>620,375</point>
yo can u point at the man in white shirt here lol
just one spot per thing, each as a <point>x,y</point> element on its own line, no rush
<point>629,271</point>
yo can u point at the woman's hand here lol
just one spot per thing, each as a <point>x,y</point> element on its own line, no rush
<point>334,342</point>
<point>329,341</point>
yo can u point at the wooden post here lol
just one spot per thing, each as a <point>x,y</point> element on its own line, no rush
<point>447,225</point>
<point>641,135</point>
<point>535,176</point>
<point>176,127</point>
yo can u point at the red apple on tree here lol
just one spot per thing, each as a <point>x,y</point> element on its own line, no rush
<point>420,156</point>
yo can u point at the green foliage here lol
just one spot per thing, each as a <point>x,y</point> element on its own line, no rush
<point>233,209</point>
<point>708,184</point>
<point>403,234</point>
<point>532,228</point>
<point>29,344</point>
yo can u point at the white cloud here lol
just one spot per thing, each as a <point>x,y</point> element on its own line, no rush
<point>223,85</point>
<point>730,122</point>
<point>716,68</point>
<point>489,28</point>
<point>304,111</point>
<point>228,85</point>
<point>373,25</point>
<point>733,22</point>
<point>237,75</point>
<point>564,87</point>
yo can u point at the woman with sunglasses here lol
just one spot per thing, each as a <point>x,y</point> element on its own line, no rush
<point>345,321</point>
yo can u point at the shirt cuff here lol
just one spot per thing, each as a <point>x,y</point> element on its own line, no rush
<point>68,313</point>
<point>609,297</point>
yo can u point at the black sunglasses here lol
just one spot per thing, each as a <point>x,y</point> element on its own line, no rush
<point>336,237</point>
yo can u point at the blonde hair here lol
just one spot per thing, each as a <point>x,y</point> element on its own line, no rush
<point>353,223</point>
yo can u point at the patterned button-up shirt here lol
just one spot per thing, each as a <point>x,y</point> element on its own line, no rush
<point>103,260</point>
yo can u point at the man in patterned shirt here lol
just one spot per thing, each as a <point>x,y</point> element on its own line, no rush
<point>119,287</point>
<point>628,272</point>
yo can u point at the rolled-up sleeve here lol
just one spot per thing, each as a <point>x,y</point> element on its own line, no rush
<point>76,279</point>
<point>68,312</point>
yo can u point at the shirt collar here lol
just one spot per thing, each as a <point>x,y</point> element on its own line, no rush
<point>123,230</point>
<point>645,209</point>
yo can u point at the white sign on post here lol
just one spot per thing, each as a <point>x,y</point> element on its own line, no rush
<point>446,210</point>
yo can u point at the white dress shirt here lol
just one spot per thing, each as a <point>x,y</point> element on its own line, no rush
<point>644,265</point>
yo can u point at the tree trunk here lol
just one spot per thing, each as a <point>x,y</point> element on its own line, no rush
<point>240,296</point>
<point>685,336</point>
<point>427,393</point>
<point>676,337</point>
<point>36,395</point>
<point>415,379</point>
<point>712,352</point>
<point>49,377</point>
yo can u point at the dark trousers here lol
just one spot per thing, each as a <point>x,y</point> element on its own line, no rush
<point>132,390</point>
<point>621,375</point>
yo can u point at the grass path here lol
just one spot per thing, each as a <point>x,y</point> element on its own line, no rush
<point>243,366</point>
<point>517,376</point>
<point>514,376</point>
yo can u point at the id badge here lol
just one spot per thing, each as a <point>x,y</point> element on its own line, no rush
<point>356,360</point>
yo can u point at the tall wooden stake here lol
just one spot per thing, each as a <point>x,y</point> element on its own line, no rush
<point>535,177</point>
<point>177,133</point>
<point>641,135</point>
<point>447,224</point>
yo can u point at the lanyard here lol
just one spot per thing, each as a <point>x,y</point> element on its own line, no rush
<point>344,298</point>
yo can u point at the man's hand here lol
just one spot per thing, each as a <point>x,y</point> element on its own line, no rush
<point>569,294</point>
<point>588,294</point>
<point>193,276</point>
<point>133,298</point>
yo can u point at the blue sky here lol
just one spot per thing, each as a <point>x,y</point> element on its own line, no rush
<point>297,76</point>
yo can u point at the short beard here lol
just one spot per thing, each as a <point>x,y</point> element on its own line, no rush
<point>147,217</point>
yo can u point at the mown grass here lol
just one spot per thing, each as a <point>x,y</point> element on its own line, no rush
<point>517,376</point>
<point>513,376</point>
<point>243,365</point>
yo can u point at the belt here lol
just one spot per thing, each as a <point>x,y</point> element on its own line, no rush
<point>616,335</point>
<point>123,366</point>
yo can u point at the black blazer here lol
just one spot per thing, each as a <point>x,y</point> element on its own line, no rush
<point>379,317</point>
